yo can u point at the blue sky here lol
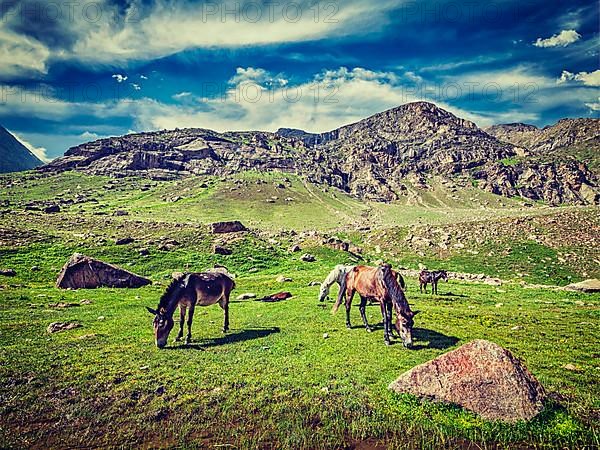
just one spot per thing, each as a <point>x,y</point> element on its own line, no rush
<point>71,71</point>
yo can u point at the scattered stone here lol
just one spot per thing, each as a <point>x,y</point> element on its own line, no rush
<point>120,213</point>
<point>83,272</point>
<point>124,241</point>
<point>64,305</point>
<point>587,286</point>
<point>219,250</point>
<point>246,296</point>
<point>52,209</point>
<point>85,301</point>
<point>8,272</point>
<point>228,227</point>
<point>144,252</point>
<point>295,248</point>
<point>307,257</point>
<point>253,270</point>
<point>35,268</point>
<point>325,335</point>
<point>480,376</point>
<point>55,327</point>
<point>498,305</point>
<point>283,279</point>
<point>101,318</point>
<point>517,327</point>
<point>572,368</point>
<point>160,390</point>
<point>87,336</point>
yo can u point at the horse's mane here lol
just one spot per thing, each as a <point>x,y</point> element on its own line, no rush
<point>391,285</point>
<point>171,289</point>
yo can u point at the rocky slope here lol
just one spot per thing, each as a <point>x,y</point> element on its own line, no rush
<point>376,158</point>
<point>14,156</point>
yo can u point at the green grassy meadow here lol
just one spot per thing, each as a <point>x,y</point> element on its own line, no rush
<point>288,374</point>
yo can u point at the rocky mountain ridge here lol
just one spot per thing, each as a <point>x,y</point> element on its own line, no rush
<point>375,158</point>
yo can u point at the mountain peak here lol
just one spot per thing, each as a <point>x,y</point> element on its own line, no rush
<point>14,156</point>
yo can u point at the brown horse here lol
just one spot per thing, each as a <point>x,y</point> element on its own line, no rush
<point>187,291</point>
<point>379,283</point>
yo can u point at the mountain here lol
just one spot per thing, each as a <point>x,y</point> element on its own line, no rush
<point>377,158</point>
<point>14,156</point>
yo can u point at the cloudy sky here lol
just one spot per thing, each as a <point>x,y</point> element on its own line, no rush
<point>72,71</point>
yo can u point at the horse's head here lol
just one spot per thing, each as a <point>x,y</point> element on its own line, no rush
<point>404,326</point>
<point>163,324</point>
<point>323,293</point>
<point>444,275</point>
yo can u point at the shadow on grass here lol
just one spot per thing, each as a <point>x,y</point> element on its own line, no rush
<point>240,336</point>
<point>435,340</point>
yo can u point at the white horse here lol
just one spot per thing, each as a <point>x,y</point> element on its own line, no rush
<point>337,275</point>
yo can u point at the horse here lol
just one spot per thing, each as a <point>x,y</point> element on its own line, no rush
<point>379,283</point>
<point>338,275</point>
<point>426,277</point>
<point>186,291</point>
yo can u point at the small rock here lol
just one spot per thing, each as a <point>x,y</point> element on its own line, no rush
<point>124,241</point>
<point>294,248</point>
<point>325,335</point>
<point>120,213</point>
<point>52,209</point>
<point>307,257</point>
<point>572,368</point>
<point>35,268</point>
<point>498,305</point>
<point>283,279</point>
<point>219,250</point>
<point>160,390</point>
<point>144,252</point>
<point>55,327</point>
<point>101,317</point>
<point>8,272</point>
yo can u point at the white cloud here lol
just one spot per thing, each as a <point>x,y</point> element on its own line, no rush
<point>21,55</point>
<point>40,152</point>
<point>257,76</point>
<point>120,78</point>
<point>182,95</point>
<point>136,87</point>
<point>587,78</point>
<point>594,106</point>
<point>143,77</point>
<point>562,39</point>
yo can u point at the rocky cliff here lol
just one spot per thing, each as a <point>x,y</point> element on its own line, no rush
<point>372,159</point>
<point>14,156</point>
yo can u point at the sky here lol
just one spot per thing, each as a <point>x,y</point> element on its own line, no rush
<point>72,71</point>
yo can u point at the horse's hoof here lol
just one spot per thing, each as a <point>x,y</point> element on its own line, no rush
<point>177,339</point>
<point>188,341</point>
<point>225,330</point>
<point>348,326</point>
<point>387,343</point>
<point>369,330</point>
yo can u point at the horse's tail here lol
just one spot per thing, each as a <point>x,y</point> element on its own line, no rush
<point>341,294</point>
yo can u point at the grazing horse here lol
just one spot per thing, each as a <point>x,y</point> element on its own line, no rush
<point>426,277</point>
<point>338,275</point>
<point>187,291</point>
<point>379,283</point>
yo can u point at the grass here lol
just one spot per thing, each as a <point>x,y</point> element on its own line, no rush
<point>274,381</point>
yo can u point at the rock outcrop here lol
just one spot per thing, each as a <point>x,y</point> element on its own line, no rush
<point>587,286</point>
<point>83,272</point>
<point>14,156</point>
<point>480,376</point>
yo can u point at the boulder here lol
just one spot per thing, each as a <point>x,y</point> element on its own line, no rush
<point>307,257</point>
<point>587,286</point>
<point>124,241</point>
<point>283,279</point>
<point>52,209</point>
<point>480,376</point>
<point>228,227</point>
<point>219,250</point>
<point>295,248</point>
<point>55,327</point>
<point>83,272</point>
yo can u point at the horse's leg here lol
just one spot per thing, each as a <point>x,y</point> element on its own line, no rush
<point>434,287</point>
<point>361,308</point>
<point>188,339</point>
<point>349,296</point>
<point>420,286</point>
<point>182,309</point>
<point>386,335</point>
<point>224,303</point>
<point>389,312</point>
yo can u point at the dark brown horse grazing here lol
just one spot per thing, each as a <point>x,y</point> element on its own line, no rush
<point>187,291</point>
<point>434,277</point>
<point>380,284</point>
